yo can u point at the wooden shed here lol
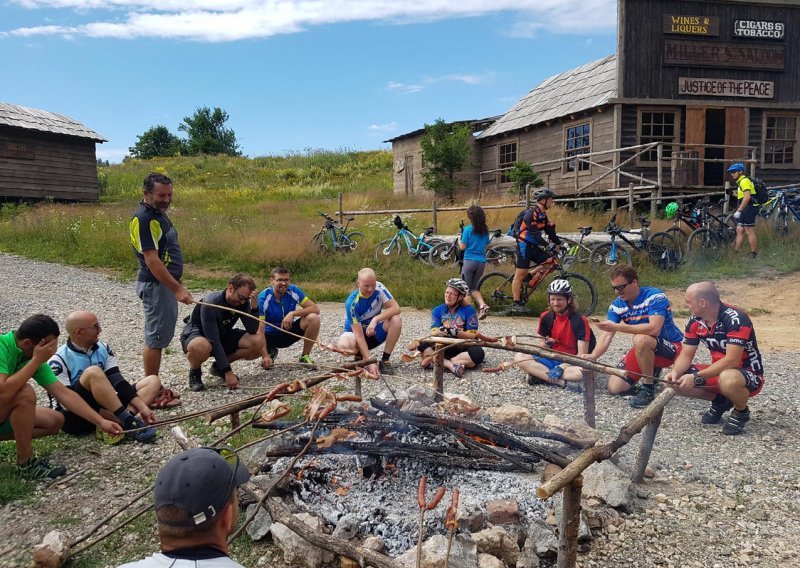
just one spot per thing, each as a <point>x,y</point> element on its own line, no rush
<point>44,155</point>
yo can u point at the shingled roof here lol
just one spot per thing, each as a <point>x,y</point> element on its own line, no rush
<point>585,87</point>
<point>43,121</point>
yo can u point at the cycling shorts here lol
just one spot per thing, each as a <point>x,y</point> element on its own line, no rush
<point>282,340</point>
<point>752,380</point>
<point>372,340</point>
<point>748,218</point>
<point>666,352</point>
<point>529,252</point>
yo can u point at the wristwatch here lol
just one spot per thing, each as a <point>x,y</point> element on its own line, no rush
<point>698,380</point>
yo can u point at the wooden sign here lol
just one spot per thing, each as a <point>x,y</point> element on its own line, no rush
<point>691,25</point>
<point>14,150</point>
<point>704,87</point>
<point>720,54</point>
<point>759,30</point>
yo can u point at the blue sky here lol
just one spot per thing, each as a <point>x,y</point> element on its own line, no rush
<point>292,74</point>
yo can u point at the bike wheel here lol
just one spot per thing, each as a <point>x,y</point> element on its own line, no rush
<point>703,246</point>
<point>495,288</point>
<point>349,241</point>
<point>606,258</point>
<point>443,254</point>
<point>319,242</point>
<point>781,222</point>
<point>664,251</point>
<point>501,254</point>
<point>387,249</point>
<point>583,288</point>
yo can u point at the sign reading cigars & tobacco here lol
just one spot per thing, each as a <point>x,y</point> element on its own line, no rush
<point>691,25</point>
<point>722,54</point>
<point>759,29</point>
<point>725,88</point>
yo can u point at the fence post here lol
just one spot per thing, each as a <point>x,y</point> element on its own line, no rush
<point>341,210</point>
<point>659,179</point>
<point>527,195</point>
<point>727,202</point>
<point>630,204</point>
<point>753,163</point>
<point>435,218</point>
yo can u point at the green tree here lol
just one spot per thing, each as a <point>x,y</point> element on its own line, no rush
<point>206,133</point>
<point>445,150</point>
<point>523,174</point>
<point>156,141</point>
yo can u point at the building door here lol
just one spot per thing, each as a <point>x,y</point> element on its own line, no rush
<point>695,138</point>
<point>408,170</point>
<point>735,134</point>
<point>715,136</point>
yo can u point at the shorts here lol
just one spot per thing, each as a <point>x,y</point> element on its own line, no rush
<point>74,424</point>
<point>477,354</point>
<point>666,352</point>
<point>549,363</point>
<point>472,272</point>
<point>280,340</point>
<point>752,380</point>
<point>160,313</point>
<point>5,428</point>
<point>529,252</point>
<point>372,340</point>
<point>748,218</point>
<point>230,340</point>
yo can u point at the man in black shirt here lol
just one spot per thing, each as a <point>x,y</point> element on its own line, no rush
<point>209,332</point>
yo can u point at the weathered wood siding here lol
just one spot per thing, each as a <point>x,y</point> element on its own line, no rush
<point>771,175</point>
<point>643,74</point>
<point>629,136</point>
<point>410,182</point>
<point>42,166</point>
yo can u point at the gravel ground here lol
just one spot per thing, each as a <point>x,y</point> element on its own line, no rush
<point>714,501</point>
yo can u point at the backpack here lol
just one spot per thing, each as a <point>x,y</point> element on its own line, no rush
<point>513,229</point>
<point>762,193</point>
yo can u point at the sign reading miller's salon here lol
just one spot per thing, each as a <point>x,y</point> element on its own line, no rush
<point>691,25</point>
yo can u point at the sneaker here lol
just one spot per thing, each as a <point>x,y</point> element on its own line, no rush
<point>273,353</point>
<point>108,439</point>
<point>532,380</point>
<point>458,370</point>
<point>718,407</point>
<point>130,422</point>
<point>386,368</point>
<point>195,382</point>
<point>736,422</point>
<point>517,308</point>
<point>573,386</point>
<point>306,360</point>
<point>216,371</point>
<point>644,397</point>
<point>38,468</point>
<point>753,254</point>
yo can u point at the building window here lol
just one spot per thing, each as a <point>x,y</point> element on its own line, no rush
<point>657,126</point>
<point>780,140</point>
<point>507,157</point>
<point>577,141</point>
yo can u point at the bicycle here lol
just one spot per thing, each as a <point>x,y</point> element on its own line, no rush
<point>418,246</point>
<point>686,215</point>
<point>705,244</point>
<point>332,236</point>
<point>447,251</point>
<point>662,249</point>
<point>495,287</point>
<point>782,202</point>
<point>581,252</point>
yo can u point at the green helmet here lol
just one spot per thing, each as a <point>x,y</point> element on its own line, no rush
<point>671,210</point>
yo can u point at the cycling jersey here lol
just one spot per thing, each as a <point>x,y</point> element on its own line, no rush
<point>733,326</point>
<point>533,223</point>
<point>360,309</point>
<point>650,302</point>
<point>463,318</point>
<point>475,243</point>
<point>152,230</point>
<point>274,310</point>
<point>566,330</point>
<point>745,184</point>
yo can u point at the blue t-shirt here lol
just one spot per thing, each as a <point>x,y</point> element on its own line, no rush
<point>476,244</point>
<point>463,318</point>
<point>649,302</point>
<point>274,311</point>
<point>358,309</point>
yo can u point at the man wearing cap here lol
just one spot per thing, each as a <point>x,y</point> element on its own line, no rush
<point>197,508</point>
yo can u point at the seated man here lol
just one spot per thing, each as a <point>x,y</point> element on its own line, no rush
<point>562,329</point>
<point>645,313</point>
<point>455,318</point>
<point>88,367</point>
<point>209,331</point>
<point>735,373</point>
<point>372,316</point>
<point>23,356</point>
<point>285,306</point>
<point>197,508</point>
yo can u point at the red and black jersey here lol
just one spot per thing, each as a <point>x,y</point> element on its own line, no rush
<point>566,330</point>
<point>534,221</point>
<point>733,326</point>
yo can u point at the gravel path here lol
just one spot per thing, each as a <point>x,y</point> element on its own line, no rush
<point>714,501</point>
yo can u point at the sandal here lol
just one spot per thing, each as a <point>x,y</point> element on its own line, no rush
<point>483,311</point>
<point>458,370</point>
<point>165,399</point>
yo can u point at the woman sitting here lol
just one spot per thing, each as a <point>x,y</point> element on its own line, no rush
<point>455,318</point>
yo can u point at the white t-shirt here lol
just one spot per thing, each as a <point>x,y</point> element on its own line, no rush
<point>160,560</point>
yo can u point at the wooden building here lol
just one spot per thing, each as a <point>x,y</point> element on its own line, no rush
<point>710,82</point>
<point>44,155</point>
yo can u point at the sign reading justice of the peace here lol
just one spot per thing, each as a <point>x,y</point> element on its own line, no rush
<point>725,88</point>
<point>720,54</point>
<point>691,25</point>
<point>759,29</point>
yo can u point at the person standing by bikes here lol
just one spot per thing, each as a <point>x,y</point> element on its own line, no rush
<point>472,244</point>
<point>746,210</point>
<point>530,243</point>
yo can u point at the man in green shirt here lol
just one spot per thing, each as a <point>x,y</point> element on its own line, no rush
<point>23,356</point>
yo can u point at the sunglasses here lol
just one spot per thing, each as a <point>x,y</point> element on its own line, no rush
<point>619,287</point>
<point>95,325</point>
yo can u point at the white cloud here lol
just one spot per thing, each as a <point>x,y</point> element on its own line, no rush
<point>111,154</point>
<point>402,87</point>
<point>383,128</point>
<point>474,79</point>
<point>232,20</point>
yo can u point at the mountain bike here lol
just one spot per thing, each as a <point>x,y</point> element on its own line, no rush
<point>705,244</point>
<point>447,252</point>
<point>581,251</point>
<point>662,249</point>
<point>690,217</point>
<point>332,236</point>
<point>782,203</point>
<point>418,246</point>
<point>495,287</point>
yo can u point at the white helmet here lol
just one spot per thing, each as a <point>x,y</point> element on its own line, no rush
<point>560,287</point>
<point>458,284</point>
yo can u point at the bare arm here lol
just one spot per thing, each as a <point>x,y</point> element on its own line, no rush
<point>10,385</point>
<point>390,308</point>
<point>603,343</point>
<point>652,327</point>
<point>157,269</point>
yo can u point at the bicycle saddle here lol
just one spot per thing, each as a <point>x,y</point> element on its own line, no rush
<point>644,221</point>
<point>428,231</point>
<point>585,230</point>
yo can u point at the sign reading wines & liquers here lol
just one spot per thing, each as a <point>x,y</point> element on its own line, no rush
<point>691,25</point>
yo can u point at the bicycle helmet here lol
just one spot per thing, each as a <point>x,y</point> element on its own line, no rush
<point>560,287</point>
<point>737,167</point>
<point>458,284</point>
<point>543,193</point>
<point>671,209</point>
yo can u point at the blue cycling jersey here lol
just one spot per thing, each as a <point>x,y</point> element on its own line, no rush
<point>274,310</point>
<point>359,309</point>
<point>649,302</point>
<point>462,318</point>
